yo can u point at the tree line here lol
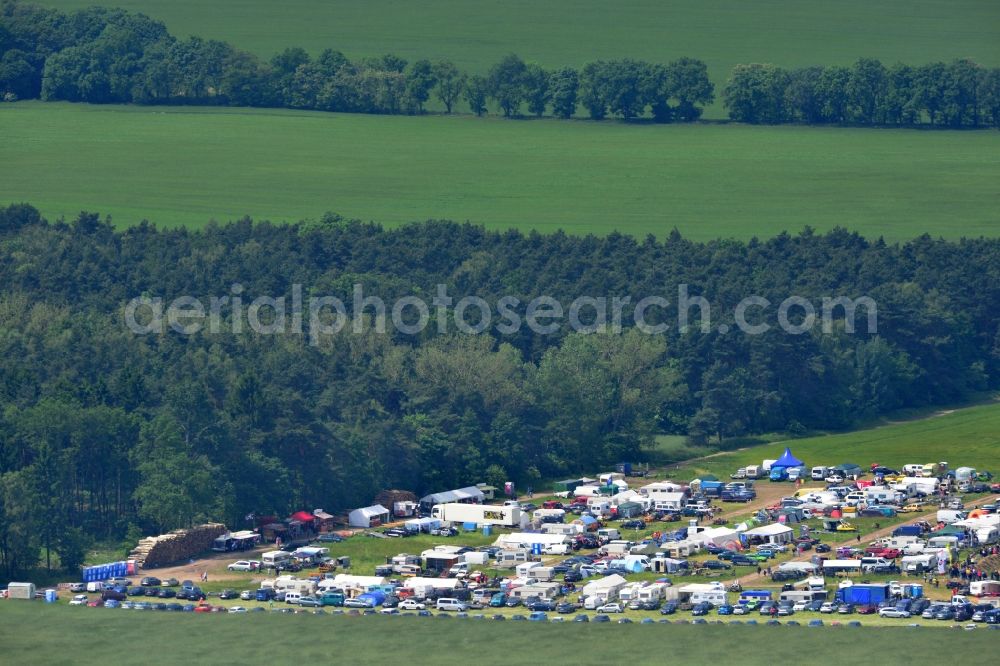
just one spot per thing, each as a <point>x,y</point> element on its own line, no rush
<point>103,431</point>
<point>957,95</point>
<point>101,56</point>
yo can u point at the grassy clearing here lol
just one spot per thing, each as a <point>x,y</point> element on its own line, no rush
<point>559,32</point>
<point>227,639</point>
<point>183,166</point>
<point>969,436</point>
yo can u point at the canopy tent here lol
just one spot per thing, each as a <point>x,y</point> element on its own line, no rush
<point>787,460</point>
<point>368,516</point>
<point>303,517</point>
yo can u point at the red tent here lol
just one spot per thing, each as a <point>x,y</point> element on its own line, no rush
<point>303,517</point>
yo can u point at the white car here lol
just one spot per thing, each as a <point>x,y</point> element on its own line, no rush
<point>242,565</point>
<point>78,600</point>
<point>739,609</point>
<point>237,609</point>
<point>893,612</point>
<point>411,604</point>
<point>610,608</point>
<point>247,595</point>
<point>800,606</point>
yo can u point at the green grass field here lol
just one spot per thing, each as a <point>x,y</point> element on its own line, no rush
<point>35,633</point>
<point>183,166</point>
<point>559,32</point>
<point>964,437</point>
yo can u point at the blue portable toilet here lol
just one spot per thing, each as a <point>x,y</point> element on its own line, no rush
<point>51,596</point>
<point>487,530</point>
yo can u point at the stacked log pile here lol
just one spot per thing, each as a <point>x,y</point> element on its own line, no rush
<point>388,497</point>
<point>175,546</point>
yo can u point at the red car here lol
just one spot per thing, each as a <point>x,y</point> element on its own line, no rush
<point>866,610</point>
<point>887,553</point>
<point>203,608</point>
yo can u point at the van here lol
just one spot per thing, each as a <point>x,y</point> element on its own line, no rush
<point>819,473</point>
<point>752,471</point>
<point>949,516</point>
<point>796,473</point>
<point>450,604</point>
<point>292,597</point>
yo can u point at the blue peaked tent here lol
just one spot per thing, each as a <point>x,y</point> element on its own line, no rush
<point>787,460</point>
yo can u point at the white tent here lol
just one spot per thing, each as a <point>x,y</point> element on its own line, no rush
<point>417,582</point>
<point>527,539</point>
<point>660,487</point>
<point>605,588</point>
<point>469,495</point>
<point>720,536</point>
<point>422,524</point>
<point>674,501</point>
<point>775,533</point>
<point>368,516</point>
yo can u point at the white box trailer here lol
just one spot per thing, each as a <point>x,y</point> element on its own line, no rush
<point>848,566</point>
<point>480,514</point>
<point>915,564</point>
<point>21,591</point>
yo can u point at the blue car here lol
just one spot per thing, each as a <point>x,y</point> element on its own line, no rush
<point>538,616</point>
<point>725,609</point>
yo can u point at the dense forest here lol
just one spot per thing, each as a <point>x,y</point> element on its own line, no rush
<point>103,56</point>
<point>103,429</point>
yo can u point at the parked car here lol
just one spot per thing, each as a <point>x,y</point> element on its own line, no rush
<point>79,600</point>
<point>565,608</point>
<point>150,581</point>
<point>893,612</point>
<point>716,564</point>
<point>228,594</point>
<point>701,608</point>
<point>309,602</point>
<point>170,582</point>
<point>411,605</point>
<point>242,565</point>
<point>668,608</point>
<point>78,587</point>
<point>611,608</point>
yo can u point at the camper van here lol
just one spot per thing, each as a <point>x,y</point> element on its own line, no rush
<point>796,473</point>
<point>819,473</point>
<point>752,472</point>
<point>274,558</point>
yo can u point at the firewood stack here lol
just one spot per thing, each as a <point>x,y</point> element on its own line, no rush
<point>175,546</point>
<point>388,497</point>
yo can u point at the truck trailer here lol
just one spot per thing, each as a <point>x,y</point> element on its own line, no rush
<point>480,514</point>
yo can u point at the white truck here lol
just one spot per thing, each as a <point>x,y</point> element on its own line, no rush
<point>480,514</point>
